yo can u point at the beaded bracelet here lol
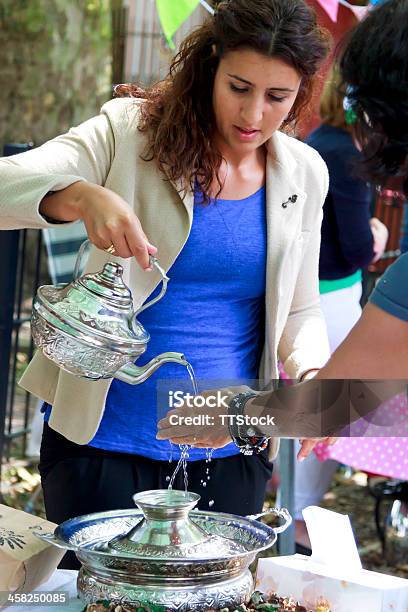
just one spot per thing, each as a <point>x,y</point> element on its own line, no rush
<point>252,440</point>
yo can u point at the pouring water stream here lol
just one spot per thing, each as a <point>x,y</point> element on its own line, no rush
<point>182,462</point>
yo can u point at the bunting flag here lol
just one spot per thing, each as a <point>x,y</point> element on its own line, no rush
<point>172,14</point>
<point>359,11</point>
<point>331,7</point>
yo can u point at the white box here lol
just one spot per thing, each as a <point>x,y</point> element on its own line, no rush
<point>308,581</point>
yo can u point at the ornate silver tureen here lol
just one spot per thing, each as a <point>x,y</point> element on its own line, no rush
<point>89,327</point>
<point>165,553</point>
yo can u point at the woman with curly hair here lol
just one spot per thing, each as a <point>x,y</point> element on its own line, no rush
<point>198,170</point>
<point>374,70</point>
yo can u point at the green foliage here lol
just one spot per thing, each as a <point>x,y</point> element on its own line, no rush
<point>20,16</point>
<point>55,65</point>
<point>42,16</point>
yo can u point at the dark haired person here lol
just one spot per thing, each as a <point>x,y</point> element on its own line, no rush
<point>351,240</point>
<point>197,166</point>
<point>374,67</point>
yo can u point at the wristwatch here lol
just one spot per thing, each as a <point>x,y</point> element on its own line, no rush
<point>246,437</point>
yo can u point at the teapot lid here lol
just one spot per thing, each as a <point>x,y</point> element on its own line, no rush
<point>95,308</point>
<point>108,284</point>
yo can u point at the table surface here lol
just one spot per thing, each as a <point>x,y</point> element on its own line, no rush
<point>61,580</point>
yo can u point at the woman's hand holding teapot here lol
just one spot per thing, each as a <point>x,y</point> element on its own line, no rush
<point>109,221</point>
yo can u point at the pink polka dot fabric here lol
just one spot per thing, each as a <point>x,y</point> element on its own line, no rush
<point>384,448</point>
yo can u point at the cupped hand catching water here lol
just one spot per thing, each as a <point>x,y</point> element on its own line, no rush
<point>202,421</point>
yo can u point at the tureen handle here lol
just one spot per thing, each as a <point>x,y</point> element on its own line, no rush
<point>165,280</point>
<point>51,538</point>
<point>280,512</point>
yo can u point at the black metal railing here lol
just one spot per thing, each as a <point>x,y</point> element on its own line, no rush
<point>21,272</point>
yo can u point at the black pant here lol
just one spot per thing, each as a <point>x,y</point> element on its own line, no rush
<point>80,479</point>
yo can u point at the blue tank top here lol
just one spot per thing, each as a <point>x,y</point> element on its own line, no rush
<point>213,312</point>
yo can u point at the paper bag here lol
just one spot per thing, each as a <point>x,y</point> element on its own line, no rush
<point>25,560</point>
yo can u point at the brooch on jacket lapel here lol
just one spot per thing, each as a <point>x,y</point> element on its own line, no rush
<point>291,200</point>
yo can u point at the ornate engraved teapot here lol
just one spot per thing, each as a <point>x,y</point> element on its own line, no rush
<point>89,327</point>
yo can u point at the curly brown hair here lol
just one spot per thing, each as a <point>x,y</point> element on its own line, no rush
<point>177,114</point>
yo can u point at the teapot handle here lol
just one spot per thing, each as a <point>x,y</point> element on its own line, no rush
<point>153,261</point>
<point>82,249</point>
<point>165,279</point>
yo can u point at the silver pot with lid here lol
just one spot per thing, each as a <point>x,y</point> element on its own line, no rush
<point>89,327</point>
<point>167,554</point>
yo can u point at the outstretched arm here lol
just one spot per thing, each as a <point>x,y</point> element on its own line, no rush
<point>376,348</point>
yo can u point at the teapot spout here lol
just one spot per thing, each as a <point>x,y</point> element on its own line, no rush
<point>134,375</point>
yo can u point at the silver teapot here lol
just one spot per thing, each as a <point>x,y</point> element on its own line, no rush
<point>89,327</point>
